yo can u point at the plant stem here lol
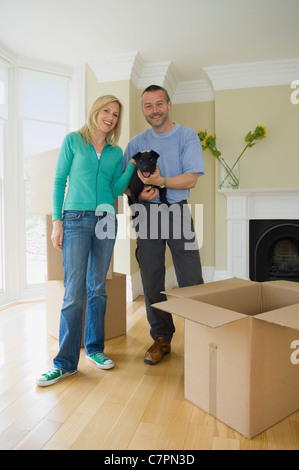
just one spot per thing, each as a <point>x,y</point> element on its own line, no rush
<point>229,172</point>
<point>246,146</point>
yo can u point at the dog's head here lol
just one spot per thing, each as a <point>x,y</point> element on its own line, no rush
<point>146,162</point>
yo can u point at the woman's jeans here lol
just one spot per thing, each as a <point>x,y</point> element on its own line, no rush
<point>88,242</point>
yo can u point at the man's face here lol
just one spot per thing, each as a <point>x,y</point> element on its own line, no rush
<point>155,108</point>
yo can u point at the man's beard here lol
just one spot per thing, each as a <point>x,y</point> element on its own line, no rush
<point>158,123</point>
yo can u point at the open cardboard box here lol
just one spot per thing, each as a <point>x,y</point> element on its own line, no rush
<point>240,350</point>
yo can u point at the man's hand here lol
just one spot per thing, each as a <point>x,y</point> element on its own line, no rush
<point>148,193</point>
<point>155,179</point>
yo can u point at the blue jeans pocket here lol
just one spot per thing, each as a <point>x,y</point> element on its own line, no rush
<point>72,215</point>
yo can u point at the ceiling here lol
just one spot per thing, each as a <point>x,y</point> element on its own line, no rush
<point>192,34</point>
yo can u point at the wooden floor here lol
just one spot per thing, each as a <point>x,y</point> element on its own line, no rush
<point>133,406</point>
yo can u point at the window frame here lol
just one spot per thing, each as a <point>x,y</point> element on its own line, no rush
<point>14,218</point>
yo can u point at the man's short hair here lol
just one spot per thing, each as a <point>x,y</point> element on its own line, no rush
<point>156,88</point>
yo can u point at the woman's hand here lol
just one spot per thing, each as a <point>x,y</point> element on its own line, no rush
<point>57,234</point>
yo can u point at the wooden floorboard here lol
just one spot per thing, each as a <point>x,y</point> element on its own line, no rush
<point>131,407</point>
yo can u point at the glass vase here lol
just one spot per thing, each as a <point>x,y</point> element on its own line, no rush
<point>229,174</point>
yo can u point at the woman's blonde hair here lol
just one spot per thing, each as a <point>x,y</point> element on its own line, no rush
<point>89,129</point>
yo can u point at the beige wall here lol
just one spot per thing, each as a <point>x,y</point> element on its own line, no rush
<point>200,116</point>
<point>237,112</point>
<point>273,162</point>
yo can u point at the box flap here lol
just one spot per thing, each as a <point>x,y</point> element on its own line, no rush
<point>199,312</point>
<point>287,284</point>
<point>211,287</point>
<point>232,294</point>
<point>279,294</point>
<point>286,316</point>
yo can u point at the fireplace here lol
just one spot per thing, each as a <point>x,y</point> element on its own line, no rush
<point>274,250</point>
<point>274,215</point>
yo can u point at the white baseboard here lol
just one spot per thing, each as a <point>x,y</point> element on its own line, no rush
<point>134,284</point>
<point>220,275</point>
<point>208,273</point>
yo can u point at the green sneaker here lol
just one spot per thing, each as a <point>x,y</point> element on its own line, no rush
<point>101,361</point>
<point>52,376</point>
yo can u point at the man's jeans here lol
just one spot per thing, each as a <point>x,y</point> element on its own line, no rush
<point>86,260</point>
<point>175,227</point>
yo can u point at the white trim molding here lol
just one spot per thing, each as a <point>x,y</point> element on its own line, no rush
<point>134,283</point>
<point>34,64</point>
<point>253,74</point>
<point>131,66</point>
<point>116,67</point>
<point>193,92</point>
<point>158,73</point>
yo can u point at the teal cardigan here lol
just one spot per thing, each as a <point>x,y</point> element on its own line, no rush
<point>93,183</point>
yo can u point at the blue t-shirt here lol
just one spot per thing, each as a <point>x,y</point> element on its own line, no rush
<point>180,152</point>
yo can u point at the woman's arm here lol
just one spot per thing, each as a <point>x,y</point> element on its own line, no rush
<point>63,165</point>
<point>121,180</point>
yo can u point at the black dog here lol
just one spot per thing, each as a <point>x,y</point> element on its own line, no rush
<point>145,162</point>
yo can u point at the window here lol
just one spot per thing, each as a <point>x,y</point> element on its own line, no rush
<point>34,118</point>
<point>44,117</point>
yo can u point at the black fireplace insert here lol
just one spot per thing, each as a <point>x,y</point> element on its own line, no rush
<point>274,250</point>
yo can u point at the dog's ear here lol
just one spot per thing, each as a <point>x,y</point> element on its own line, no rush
<point>136,156</point>
<point>155,154</point>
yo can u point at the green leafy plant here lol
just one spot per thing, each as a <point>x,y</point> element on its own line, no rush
<point>208,141</point>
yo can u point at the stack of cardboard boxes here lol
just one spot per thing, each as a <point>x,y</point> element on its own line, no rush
<point>42,170</point>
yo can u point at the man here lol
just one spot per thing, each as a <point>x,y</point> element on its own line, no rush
<point>179,166</point>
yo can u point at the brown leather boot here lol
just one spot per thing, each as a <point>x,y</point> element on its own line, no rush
<point>156,352</point>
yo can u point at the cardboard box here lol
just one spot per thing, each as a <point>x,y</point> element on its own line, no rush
<point>241,363</point>
<point>115,318</point>
<point>42,172</point>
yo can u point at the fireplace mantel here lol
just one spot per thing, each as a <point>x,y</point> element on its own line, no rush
<point>249,204</point>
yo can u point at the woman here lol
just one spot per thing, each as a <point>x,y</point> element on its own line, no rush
<point>92,163</point>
